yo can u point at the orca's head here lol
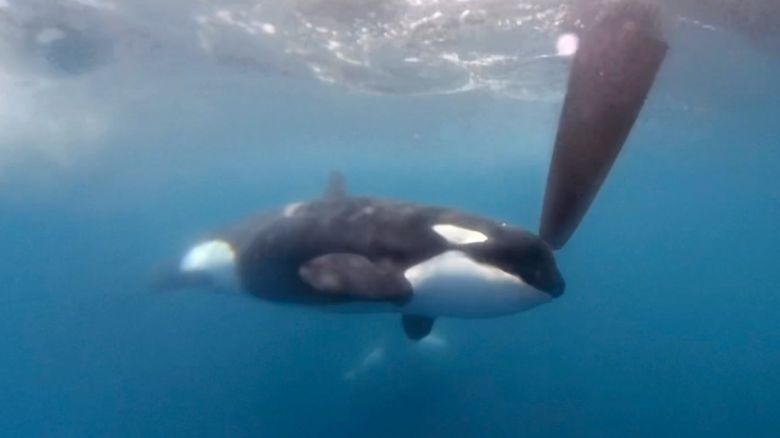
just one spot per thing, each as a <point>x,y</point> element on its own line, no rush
<point>524,255</point>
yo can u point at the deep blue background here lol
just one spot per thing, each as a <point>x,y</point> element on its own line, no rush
<point>670,324</point>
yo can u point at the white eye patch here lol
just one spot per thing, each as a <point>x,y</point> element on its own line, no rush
<point>459,235</point>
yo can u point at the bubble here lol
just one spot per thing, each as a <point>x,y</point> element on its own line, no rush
<point>268,28</point>
<point>567,44</point>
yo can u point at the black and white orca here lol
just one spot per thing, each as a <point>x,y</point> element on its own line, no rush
<point>364,254</point>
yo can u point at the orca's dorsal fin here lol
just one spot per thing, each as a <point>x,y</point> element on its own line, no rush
<point>336,188</point>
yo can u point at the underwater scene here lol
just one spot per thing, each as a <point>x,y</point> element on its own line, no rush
<point>389,218</point>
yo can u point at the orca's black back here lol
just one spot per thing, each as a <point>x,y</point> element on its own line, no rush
<point>392,234</point>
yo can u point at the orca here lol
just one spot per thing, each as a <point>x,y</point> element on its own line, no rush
<point>365,254</point>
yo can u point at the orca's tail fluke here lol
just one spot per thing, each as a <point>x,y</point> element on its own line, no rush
<point>612,73</point>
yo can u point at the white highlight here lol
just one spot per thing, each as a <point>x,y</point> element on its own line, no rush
<point>452,57</point>
<point>433,342</point>
<point>268,28</point>
<point>374,358</point>
<point>567,44</point>
<point>291,209</point>
<point>452,284</point>
<point>215,258</point>
<point>459,235</point>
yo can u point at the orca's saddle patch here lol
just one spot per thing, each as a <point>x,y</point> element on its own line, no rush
<point>353,275</point>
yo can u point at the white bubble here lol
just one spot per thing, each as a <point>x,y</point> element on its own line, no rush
<point>268,28</point>
<point>567,44</point>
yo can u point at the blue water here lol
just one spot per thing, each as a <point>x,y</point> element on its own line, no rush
<point>670,325</point>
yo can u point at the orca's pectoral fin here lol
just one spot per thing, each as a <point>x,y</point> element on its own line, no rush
<point>355,276</point>
<point>417,327</point>
<point>336,188</point>
<point>611,75</point>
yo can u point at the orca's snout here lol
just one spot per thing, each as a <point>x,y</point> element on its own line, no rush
<point>557,286</point>
<point>548,278</point>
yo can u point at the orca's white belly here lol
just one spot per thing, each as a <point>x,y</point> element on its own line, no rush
<point>454,285</point>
